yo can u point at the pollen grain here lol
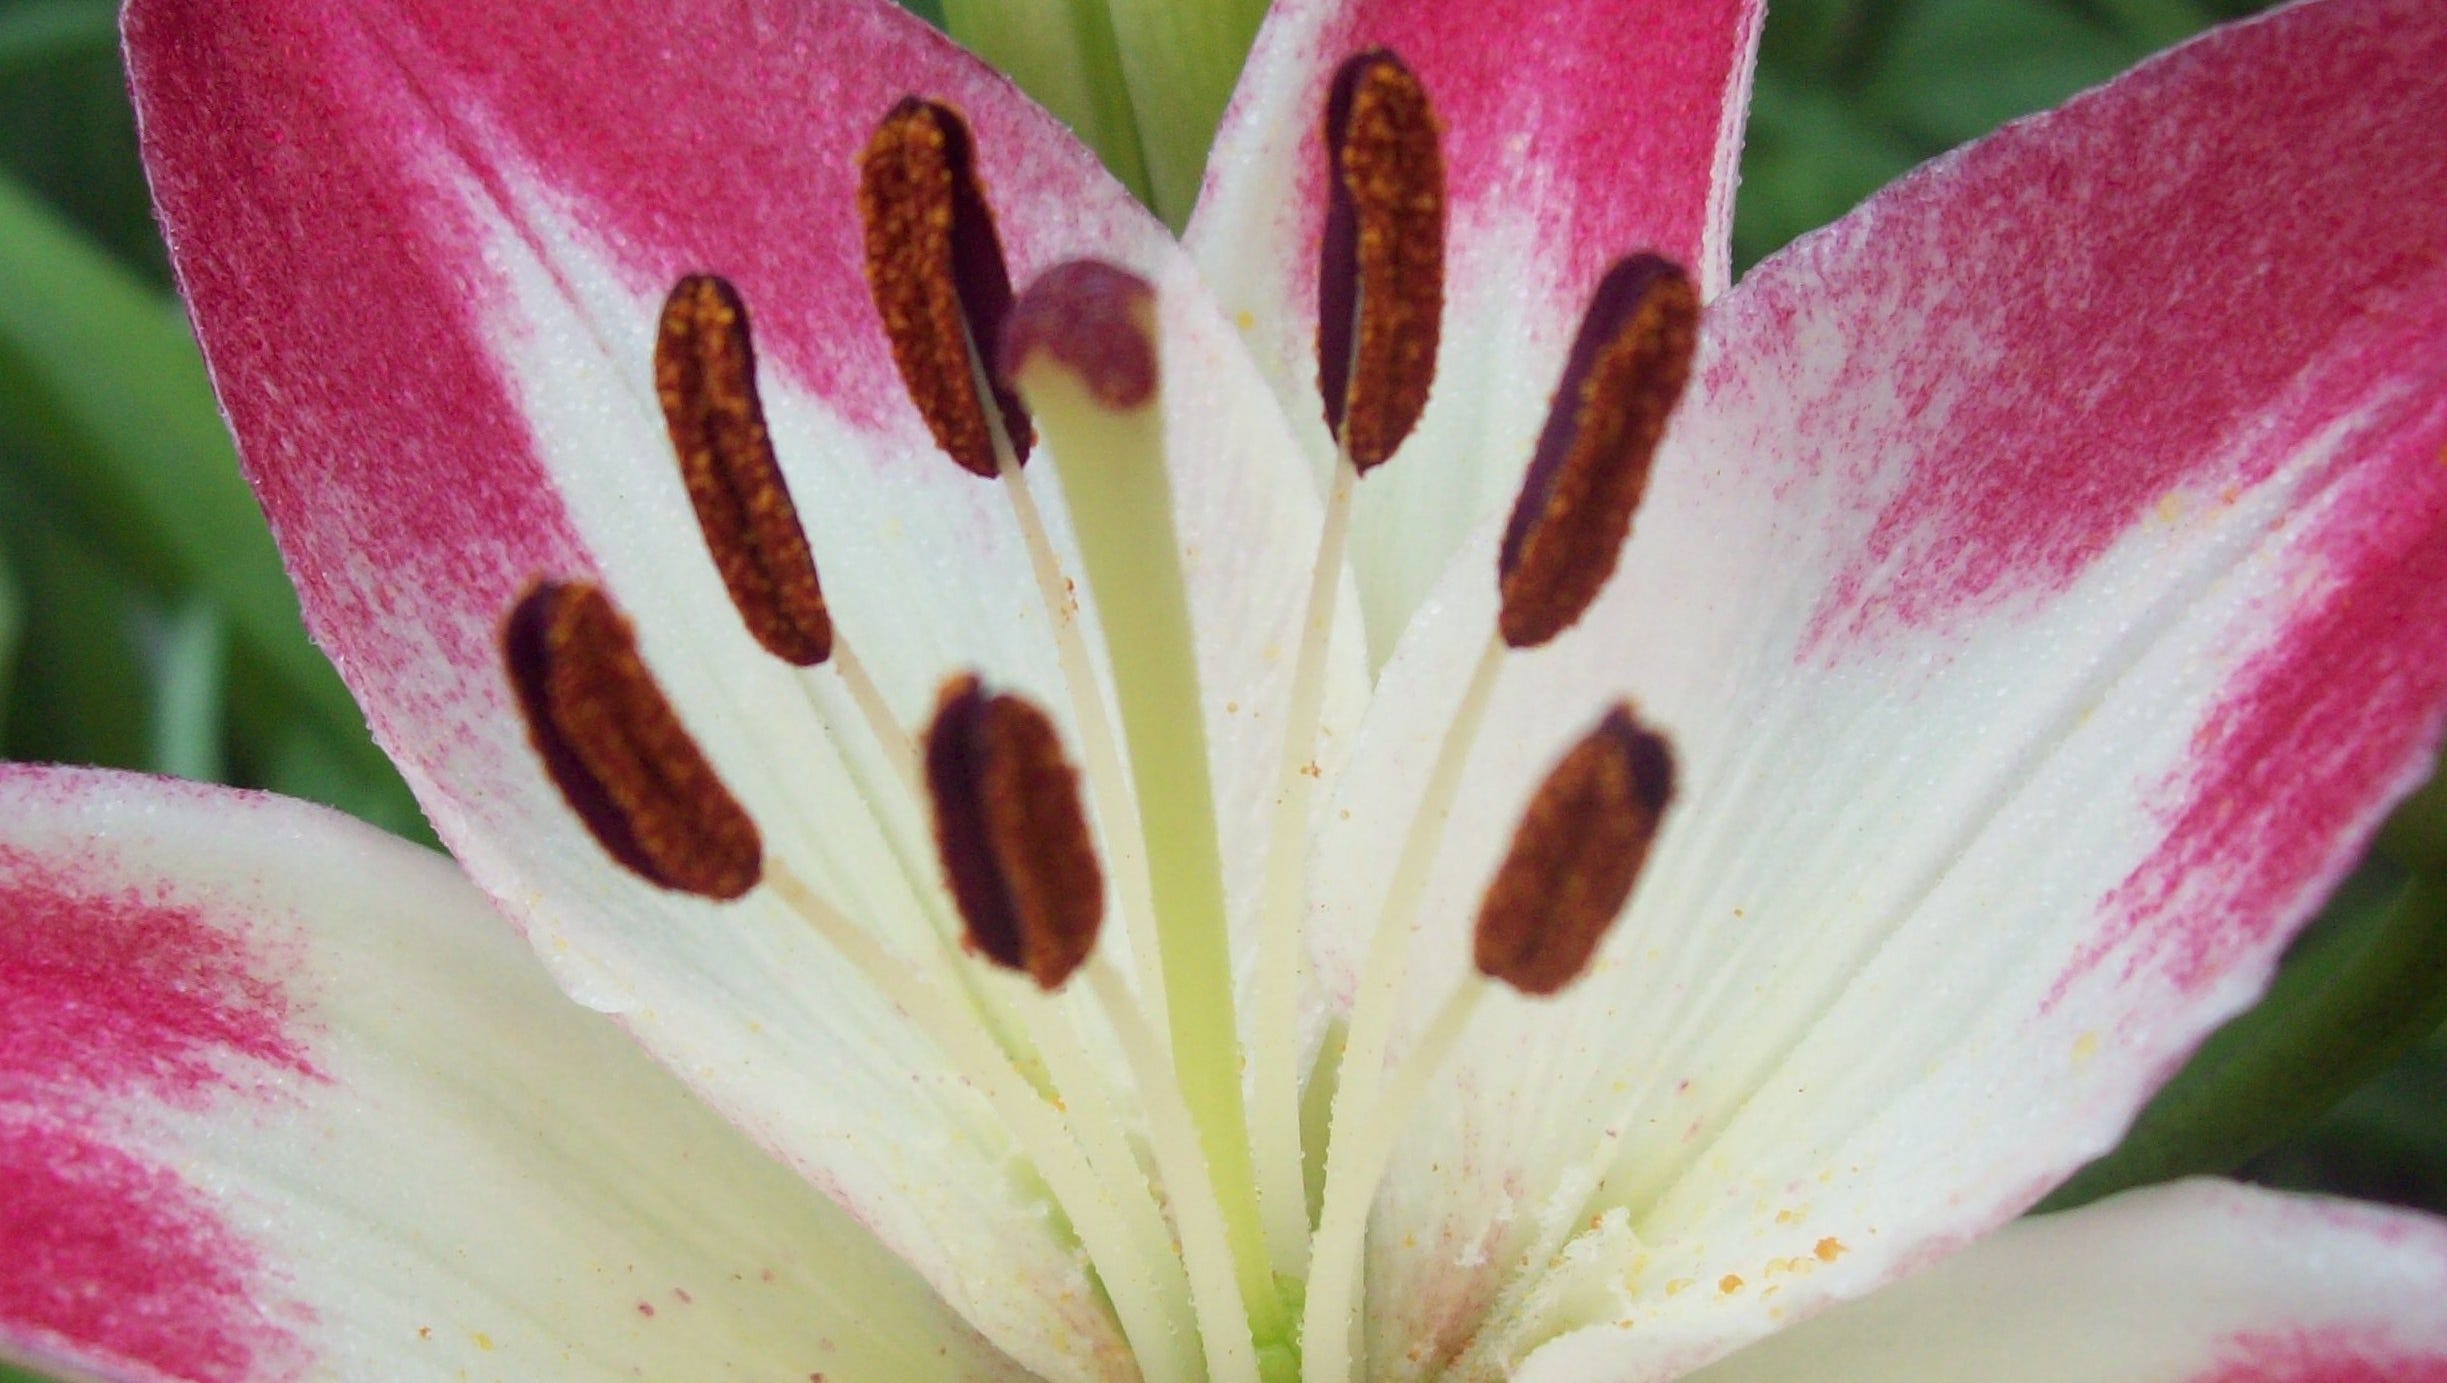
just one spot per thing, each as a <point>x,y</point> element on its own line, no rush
<point>1381,266</point>
<point>1624,377</point>
<point>1575,856</point>
<point>935,269</point>
<point>617,750</point>
<point>1012,833</point>
<point>705,377</point>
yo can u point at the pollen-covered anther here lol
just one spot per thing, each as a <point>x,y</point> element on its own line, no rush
<point>935,268</point>
<point>1625,374</point>
<point>617,750</point>
<point>1012,833</point>
<point>1575,857</point>
<point>705,376</point>
<point>1092,321</point>
<point>1380,282</point>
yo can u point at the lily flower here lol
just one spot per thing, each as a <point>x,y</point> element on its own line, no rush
<point>1411,786</point>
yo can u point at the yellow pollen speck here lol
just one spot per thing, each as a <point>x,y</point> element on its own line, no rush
<point>1729,1284</point>
<point>1245,320</point>
<point>483,1341</point>
<point>1829,1249</point>
<point>2170,507</point>
<point>1787,1216</point>
<point>1677,1286</point>
<point>2085,1047</point>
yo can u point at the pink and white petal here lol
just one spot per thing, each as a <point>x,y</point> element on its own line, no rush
<point>425,242</point>
<point>1575,133</point>
<point>2199,1282</point>
<point>281,1098</point>
<point>2046,592</point>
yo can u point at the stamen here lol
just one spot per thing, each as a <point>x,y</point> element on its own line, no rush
<point>616,749</point>
<point>1380,315</point>
<point>1333,1281</point>
<point>1380,279</point>
<point>1571,867</point>
<point>1626,372</point>
<point>705,375</point>
<point>935,268</point>
<point>1576,854</point>
<point>1013,836</point>
<point>1116,1218</point>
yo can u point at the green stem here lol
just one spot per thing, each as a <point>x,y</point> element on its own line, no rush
<point>1064,54</point>
<point>1182,59</point>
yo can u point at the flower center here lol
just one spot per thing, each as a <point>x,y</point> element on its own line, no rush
<point>1195,1217</point>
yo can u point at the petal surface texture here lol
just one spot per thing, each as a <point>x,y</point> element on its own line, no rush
<point>282,1098</point>
<point>426,243</point>
<point>2045,591</point>
<point>2200,1282</point>
<point>1574,133</point>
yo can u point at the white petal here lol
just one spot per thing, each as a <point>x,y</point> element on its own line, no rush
<point>284,1098</point>
<point>2199,1282</point>
<point>2038,637</point>
<point>1576,132</point>
<point>459,254</point>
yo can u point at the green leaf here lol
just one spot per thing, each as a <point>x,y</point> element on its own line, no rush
<point>191,668</point>
<point>103,398</point>
<point>299,759</point>
<point>80,693</point>
<point>2153,24</point>
<point>2362,987</point>
<point>65,128</point>
<point>12,621</point>
<point>1809,158</point>
<point>1062,53</point>
<point>50,31</point>
<point>2387,1141</point>
<point>1952,70</point>
<point>1181,58</point>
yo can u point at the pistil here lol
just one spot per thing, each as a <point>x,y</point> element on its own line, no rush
<point>1081,349</point>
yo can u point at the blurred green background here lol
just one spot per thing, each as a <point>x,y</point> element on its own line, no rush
<point>144,622</point>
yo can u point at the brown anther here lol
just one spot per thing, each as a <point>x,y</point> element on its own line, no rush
<point>1625,374</point>
<point>935,268</point>
<point>1575,857</point>
<point>616,749</point>
<point>1380,276</point>
<point>1094,319</point>
<point>705,375</point>
<point>1012,834</point>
